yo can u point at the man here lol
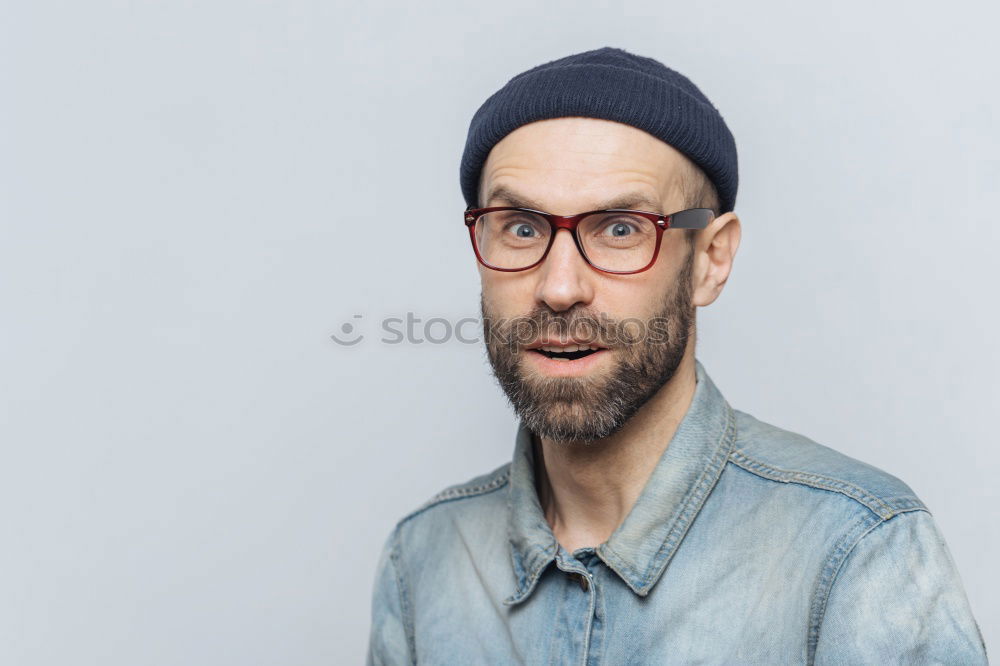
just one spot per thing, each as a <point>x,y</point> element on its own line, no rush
<point>642,519</point>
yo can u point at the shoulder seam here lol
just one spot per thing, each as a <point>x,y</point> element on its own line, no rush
<point>831,571</point>
<point>497,479</point>
<point>883,507</point>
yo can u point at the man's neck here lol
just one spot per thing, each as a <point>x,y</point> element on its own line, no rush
<point>587,490</point>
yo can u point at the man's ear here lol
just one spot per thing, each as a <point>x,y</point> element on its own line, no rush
<point>714,252</point>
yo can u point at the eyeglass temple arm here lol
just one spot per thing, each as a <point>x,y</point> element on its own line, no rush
<point>693,218</point>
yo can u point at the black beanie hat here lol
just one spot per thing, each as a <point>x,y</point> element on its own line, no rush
<point>611,84</point>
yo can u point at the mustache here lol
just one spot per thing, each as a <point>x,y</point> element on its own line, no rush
<point>582,326</point>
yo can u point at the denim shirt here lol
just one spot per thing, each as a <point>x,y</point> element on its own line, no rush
<point>749,544</point>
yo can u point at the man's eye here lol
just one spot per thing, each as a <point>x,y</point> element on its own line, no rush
<point>523,230</point>
<point>619,229</point>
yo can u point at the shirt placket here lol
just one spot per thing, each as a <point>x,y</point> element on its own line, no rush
<point>583,628</point>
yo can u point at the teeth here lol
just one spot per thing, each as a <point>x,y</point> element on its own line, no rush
<point>569,348</point>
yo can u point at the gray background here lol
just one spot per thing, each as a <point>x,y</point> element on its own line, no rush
<point>194,196</point>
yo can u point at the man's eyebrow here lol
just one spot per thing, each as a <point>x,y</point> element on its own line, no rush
<point>630,200</point>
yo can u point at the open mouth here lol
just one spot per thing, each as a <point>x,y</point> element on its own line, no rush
<point>567,353</point>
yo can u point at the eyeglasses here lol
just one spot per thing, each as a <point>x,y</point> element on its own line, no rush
<point>616,241</point>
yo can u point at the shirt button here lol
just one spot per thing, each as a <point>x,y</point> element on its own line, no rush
<point>582,580</point>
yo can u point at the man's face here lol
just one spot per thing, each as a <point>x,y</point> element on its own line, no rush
<point>566,166</point>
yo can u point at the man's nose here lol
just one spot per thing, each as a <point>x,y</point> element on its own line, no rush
<point>565,278</point>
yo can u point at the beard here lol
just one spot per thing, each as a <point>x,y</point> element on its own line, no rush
<point>584,409</point>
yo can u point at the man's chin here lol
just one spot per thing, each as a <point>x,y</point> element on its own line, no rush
<point>573,424</point>
<point>567,408</point>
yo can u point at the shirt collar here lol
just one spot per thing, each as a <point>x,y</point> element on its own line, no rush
<point>640,549</point>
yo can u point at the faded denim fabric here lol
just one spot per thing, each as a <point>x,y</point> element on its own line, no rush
<point>748,545</point>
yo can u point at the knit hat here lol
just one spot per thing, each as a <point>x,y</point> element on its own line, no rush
<point>612,84</point>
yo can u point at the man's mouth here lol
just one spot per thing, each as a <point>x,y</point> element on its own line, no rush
<point>566,358</point>
<point>566,352</point>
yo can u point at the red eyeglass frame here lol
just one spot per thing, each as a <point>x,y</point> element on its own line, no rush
<point>690,218</point>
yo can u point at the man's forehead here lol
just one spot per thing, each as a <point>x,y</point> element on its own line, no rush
<point>610,165</point>
<point>502,194</point>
